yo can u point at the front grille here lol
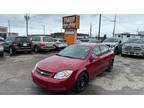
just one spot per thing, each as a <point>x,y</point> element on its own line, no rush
<point>137,48</point>
<point>43,72</point>
<point>108,45</point>
<point>128,48</point>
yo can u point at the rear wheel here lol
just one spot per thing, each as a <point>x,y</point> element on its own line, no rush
<point>36,49</point>
<point>116,51</point>
<point>12,51</point>
<point>82,82</point>
<point>2,54</point>
<point>110,67</point>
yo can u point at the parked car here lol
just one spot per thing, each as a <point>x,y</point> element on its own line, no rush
<point>94,40</point>
<point>73,67</point>
<point>133,47</point>
<point>15,44</point>
<point>114,43</point>
<point>1,47</point>
<point>42,43</point>
<point>60,43</point>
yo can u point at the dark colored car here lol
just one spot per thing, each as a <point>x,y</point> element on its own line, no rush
<point>73,67</point>
<point>18,44</point>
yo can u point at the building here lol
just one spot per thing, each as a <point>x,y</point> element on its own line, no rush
<point>61,35</point>
<point>3,32</point>
<point>125,36</point>
<point>13,34</point>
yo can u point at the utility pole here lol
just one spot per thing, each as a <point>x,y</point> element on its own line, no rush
<point>9,28</point>
<point>114,25</point>
<point>99,27</point>
<point>27,18</point>
<point>90,35</point>
<point>44,29</point>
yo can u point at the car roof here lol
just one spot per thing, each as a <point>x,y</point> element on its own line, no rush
<point>89,44</point>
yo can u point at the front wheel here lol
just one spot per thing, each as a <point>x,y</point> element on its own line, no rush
<point>12,51</point>
<point>82,82</point>
<point>36,49</point>
<point>110,67</point>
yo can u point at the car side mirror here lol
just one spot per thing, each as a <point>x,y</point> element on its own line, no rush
<point>92,57</point>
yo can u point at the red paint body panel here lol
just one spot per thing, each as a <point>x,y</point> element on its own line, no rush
<point>56,64</point>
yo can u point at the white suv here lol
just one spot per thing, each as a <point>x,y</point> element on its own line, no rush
<point>42,43</point>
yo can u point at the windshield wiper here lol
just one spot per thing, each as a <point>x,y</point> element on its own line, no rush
<point>67,56</point>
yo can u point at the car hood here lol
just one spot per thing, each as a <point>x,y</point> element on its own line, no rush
<point>58,63</point>
<point>110,43</point>
<point>134,44</point>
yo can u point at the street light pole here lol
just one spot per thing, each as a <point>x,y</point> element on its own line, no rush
<point>114,25</point>
<point>99,27</point>
<point>44,29</point>
<point>90,35</point>
<point>9,28</point>
<point>27,18</point>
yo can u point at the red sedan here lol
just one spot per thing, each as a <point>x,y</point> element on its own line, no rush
<point>73,67</point>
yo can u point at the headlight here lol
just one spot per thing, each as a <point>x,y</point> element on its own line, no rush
<point>35,67</point>
<point>112,46</point>
<point>63,74</point>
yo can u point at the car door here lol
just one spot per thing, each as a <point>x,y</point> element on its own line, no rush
<point>7,43</point>
<point>105,57</point>
<point>95,65</point>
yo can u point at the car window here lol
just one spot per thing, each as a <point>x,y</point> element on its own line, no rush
<point>47,39</point>
<point>104,49</point>
<point>75,51</point>
<point>36,39</point>
<point>97,51</point>
<point>21,39</point>
<point>11,39</point>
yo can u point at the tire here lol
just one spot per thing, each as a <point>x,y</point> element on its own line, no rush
<point>110,67</point>
<point>82,82</point>
<point>123,55</point>
<point>36,49</point>
<point>116,51</point>
<point>2,54</point>
<point>12,51</point>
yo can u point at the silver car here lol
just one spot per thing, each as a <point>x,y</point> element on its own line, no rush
<point>42,43</point>
<point>1,47</point>
<point>133,47</point>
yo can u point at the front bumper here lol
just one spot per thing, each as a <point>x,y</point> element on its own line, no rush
<point>134,53</point>
<point>52,84</point>
<point>1,48</point>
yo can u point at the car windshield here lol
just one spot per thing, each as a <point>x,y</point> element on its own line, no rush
<point>63,41</point>
<point>94,41</point>
<point>111,40</point>
<point>141,41</point>
<point>47,39</point>
<point>75,51</point>
<point>22,39</point>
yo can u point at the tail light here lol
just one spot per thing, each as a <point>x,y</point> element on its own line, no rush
<point>42,44</point>
<point>14,45</point>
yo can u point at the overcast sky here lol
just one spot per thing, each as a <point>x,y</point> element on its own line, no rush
<point>53,23</point>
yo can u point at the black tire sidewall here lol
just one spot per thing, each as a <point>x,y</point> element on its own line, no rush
<point>77,87</point>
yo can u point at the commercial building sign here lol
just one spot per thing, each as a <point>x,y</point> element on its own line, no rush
<point>71,22</point>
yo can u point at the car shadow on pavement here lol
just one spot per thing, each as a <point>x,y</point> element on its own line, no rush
<point>133,57</point>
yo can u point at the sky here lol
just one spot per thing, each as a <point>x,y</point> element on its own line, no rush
<point>53,23</point>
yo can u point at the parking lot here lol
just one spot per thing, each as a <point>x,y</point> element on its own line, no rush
<point>127,76</point>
